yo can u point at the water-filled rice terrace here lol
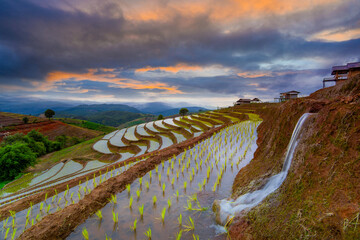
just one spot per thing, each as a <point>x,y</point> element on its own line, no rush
<point>172,201</point>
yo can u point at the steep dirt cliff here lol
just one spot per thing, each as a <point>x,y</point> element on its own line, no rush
<point>320,197</point>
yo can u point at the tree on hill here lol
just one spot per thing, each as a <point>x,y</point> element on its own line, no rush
<point>25,120</point>
<point>183,111</point>
<point>160,117</point>
<point>49,113</point>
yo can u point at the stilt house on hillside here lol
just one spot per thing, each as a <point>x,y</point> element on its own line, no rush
<point>287,96</point>
<point>242,101</point>
<point>342,73</point>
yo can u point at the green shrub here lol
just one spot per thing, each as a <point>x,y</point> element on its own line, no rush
<point>62,139</point>
<point>15,158</point>
<point>37,147</point>
<point>11,139</point>
<point>75,140</point>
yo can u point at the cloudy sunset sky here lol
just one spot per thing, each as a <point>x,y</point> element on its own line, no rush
<point>205,52</point>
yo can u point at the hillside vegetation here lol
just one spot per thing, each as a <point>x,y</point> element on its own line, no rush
<point>320,197</point>
<point>112,118</point>
<point>88,125</point>
<point>87,110</point>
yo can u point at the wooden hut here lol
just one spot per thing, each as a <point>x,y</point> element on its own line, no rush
<point>342,73</point>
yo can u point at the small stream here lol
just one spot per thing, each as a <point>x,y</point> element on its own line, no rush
<point>229,207</point>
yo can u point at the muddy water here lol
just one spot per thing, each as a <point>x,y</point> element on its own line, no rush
<point>226,152</point>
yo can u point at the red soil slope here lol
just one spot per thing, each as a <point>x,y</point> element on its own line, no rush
<point>52,129</point>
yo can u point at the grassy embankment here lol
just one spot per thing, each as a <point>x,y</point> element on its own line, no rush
<point>320,197</point>
<point>88,125</point>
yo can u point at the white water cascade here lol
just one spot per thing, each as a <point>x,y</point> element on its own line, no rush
<point>229,207</point>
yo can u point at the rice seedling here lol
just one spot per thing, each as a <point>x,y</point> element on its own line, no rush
<point>163,212</point>
<point>6,221</point>
<point>131,201</point>
<point>115,216</point>
<point>196,237</point>
<point>7,232</point>
<point>189,225</point>
<point>169,203</point>
<point>172,181</point>
<point>180,219</point>
<point>178,235</point>
<point>85,234</point>
<point>133,227</point>
<point>148,233</point>
<point>177,194</point>
<point>128,188</point>
<point>200,186</point>
<point>182,169</point>
<point>163,188</point>
<point>37,217</point>
<point>113,199</point>
<point>13,223</point>
<point>150,175</point>
<point>141,210</point>
<point>99,214</point>
<point>147,185</point>
<point>107,238</point>
<point>189,206</point>
<point>12,214</point>
<point>27,215</point>
<point>185,184</point>
<point>13,234</point>
<point>48,208</point>
<point>140,181</point>
<point>154,199</point>
<point>138,193</point>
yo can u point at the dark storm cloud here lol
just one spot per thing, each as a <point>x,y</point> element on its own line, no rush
<point>36,40</point>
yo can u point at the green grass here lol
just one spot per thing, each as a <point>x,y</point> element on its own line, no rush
<point>77,151</point>
<point>88,125</point>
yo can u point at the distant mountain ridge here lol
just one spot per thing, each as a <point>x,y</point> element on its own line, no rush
<point>107,113</point>
<point>86,110</point>
<point>174,111</point>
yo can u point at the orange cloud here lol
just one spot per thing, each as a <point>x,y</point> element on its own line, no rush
<point>337,35</point>
<point>254,75</point>
<point>218,11</point>
<point>174,69</point>
<point>94,75</point>
<point>269,74</point>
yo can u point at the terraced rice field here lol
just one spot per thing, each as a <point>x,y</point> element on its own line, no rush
<point>130,134</point>
<point>102,147</point>
<point>116,140</point>
<point>176,197</point>
<point>199,170</point>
